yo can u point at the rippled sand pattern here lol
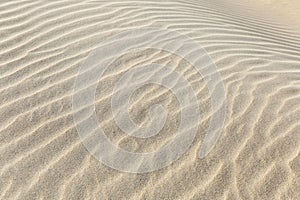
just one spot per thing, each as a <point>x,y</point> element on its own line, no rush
<point>43,43</point>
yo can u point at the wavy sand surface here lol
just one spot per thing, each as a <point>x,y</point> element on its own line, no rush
<point>42,46</point>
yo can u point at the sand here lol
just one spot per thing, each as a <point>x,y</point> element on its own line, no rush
<point>256,48</point>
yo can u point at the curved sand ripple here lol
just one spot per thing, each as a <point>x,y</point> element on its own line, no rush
<point>42,45</point>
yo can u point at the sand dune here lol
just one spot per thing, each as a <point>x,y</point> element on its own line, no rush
<point>43,44</point>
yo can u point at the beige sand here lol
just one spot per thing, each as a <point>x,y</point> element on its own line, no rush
<point>42,44</point>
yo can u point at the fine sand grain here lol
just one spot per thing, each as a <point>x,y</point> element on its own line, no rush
<point>255,46</point>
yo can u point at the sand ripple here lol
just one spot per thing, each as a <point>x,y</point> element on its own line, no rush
<point>42,46</point>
